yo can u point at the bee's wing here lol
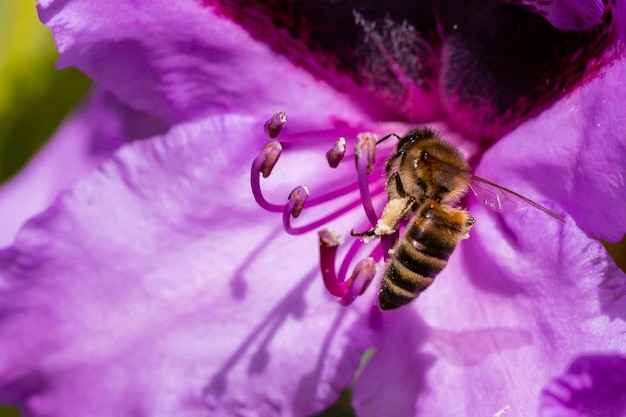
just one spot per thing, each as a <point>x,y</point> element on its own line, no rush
<point>499,198</point>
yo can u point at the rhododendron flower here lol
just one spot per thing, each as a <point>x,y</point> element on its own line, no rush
<point>146,280</point>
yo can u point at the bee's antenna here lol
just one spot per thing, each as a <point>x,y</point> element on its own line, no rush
<point>387,137</point>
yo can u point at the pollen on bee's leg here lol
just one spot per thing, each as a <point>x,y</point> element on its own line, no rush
<point>336,153</point>
<point>364,154</point>
<point>263,165</point>
<point>275,124</point>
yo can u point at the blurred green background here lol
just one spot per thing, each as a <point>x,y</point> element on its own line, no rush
<point>35,97</point>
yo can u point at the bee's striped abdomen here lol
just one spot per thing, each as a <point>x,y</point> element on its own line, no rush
<point>418,257</point>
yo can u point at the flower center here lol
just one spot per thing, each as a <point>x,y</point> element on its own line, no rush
<point>485,66</point>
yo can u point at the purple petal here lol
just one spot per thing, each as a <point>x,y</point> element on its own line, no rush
<point>522,297</point>
<point>152,287</point>
<point>572,157</point>
<point>84,140</point>
<point>179,60</point>
<point>593,386</point>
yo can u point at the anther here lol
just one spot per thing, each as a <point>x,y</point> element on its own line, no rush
<point>368,141</point>
<point>269,157</point>
<point>336,153</point>
<point>329,241</point>
<point>296,200</point>
<point>275,124</point>
<point>287,214</point>
<point>364,154</point>
<point>263,164</point>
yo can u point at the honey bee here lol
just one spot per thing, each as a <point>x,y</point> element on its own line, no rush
<point>426,176</point>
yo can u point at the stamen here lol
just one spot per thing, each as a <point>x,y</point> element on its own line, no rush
<point>336,153</point>
<point>270,156</point>
<point>329,241</point>
<point>339,192</point>
<point>263,164</point>
<point>354,249</point>
<point>366,143</point>
<point>316,224</point>
<point>364,271</point>
<point>296,200</point>
<point>275,124</point>
<point>376,254</point>
<point>362,275</point>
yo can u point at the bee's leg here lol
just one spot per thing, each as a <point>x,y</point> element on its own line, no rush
<point>395,190</point>
<point>469,222</point>
<point>394,186</point>
<point>367,235</point>
<point>393,213</point>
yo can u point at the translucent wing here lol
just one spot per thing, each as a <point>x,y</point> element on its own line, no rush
<point>499,198</point>
<point>492,195</point>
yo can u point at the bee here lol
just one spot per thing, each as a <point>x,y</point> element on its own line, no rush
<point>426,176</point>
